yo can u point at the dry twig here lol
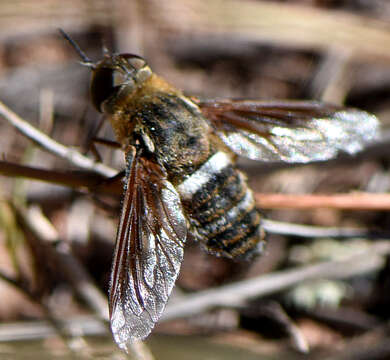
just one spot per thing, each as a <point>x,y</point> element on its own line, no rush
<point>354,201</point>
<point>73,156</point>
<point>238,293</point>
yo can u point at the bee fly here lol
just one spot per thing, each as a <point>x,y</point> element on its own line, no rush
<point>181,178</point>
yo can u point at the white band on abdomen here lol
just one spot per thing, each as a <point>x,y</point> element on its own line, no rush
<point>200,177</point>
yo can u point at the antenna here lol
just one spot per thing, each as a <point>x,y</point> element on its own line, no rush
<point>85,59</point>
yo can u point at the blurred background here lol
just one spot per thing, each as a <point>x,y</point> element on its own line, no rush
<point>56,243</point>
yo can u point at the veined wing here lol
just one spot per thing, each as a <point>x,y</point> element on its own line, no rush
<point>148,251</point>
<point>290,131</point>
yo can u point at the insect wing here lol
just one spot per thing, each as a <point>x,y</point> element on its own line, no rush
<point>148,251</point>
<point>290,131</point>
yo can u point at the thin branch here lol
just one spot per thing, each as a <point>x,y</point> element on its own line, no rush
<point>54,147</point>
<point>354,201</point>
<point>236,294</point>
<point>88,325</point>
<point>273,310</point>
<point>308,231</point>
<point>74,179</point>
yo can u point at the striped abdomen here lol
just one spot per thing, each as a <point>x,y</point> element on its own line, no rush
<point>221,209</point>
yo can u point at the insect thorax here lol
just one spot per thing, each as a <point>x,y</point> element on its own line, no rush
<point>174,130</point>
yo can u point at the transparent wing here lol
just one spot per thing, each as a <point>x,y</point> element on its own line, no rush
<point>290,131</point>
<point>148,251</point>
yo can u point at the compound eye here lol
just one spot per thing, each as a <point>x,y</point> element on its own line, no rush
<point>116,77</point>
<point>102,86</point>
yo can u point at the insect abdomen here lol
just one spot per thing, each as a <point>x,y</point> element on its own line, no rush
<point>221,209</point>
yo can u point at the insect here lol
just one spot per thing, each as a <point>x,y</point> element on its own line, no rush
<point>181,179</point>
